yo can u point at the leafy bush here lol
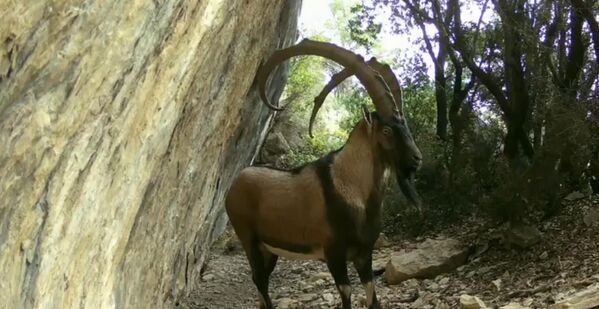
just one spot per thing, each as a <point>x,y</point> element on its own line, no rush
<point>313,149</point>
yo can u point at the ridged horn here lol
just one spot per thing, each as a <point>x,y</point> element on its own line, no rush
<point>371,80</point>
<point>391,80</point>
<point>382,69</point>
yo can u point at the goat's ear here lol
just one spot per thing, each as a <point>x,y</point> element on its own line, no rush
<point>367,115</point>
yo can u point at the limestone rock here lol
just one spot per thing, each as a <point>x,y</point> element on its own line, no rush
<point>287,303</point>
<point>497,283</point>
<point>287,134</point>
<point>431,258</point>
<point>444,281</point>
<point>423,301</point>
<point>378,265</point>
<point>276,144</point>
<point>471,302</point>
<point>513,306</point>
<point>544,255</point>
<point>521,235</point>
<point>307,297</point>
<point>382,242</point>
<point>574,196</point>
<point>325,276</point>
<point>587,298</point>
<point>591,218</point>
<point>328,297</point>
<point>291,127</point>
<point>122,124</point>
<point>442,305</point>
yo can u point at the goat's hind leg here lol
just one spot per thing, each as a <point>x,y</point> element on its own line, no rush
<point>363,265</point>
<point>262,264</point>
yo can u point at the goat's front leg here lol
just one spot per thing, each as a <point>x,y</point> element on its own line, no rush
<point>337,265</point>
<point>363,265</point>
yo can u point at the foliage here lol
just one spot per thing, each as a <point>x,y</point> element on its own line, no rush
<point>343,13</point>
<point>515,86</point>
<point>314,148</point>
<point>419,108</point>
<point>362,28</point>
<point>513,82</point>
<point>352,102</point>
<point>305,81</point>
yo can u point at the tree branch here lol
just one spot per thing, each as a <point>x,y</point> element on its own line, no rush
<point>586,11</point>
<point>485,78</point>
<point>575,58</point>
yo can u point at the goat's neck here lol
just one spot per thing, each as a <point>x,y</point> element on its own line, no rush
<point>358,169</point>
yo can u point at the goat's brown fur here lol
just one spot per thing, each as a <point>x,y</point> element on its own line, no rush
<point>284,209</point>
<point>266,201</point>
<point>357,171</point>
<point>273,202</point>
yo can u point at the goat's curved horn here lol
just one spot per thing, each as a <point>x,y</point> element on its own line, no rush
<point>383,69</point>
<point>369,78</point>
<point>391,80</point>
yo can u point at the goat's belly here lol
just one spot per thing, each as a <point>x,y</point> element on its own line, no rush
<point>317,254</point>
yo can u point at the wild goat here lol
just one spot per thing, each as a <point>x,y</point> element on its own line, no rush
<point>329,209</point>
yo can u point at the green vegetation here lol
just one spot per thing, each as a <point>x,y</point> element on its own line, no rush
<point>506,128</point>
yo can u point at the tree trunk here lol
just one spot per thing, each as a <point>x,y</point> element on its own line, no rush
<point>517,142</point>
<point>594,170</point>
<point>441,97</point>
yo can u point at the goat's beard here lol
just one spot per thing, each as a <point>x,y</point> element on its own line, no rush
<point>408,188</point>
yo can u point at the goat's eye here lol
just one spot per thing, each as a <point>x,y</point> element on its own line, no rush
<point>387,131</point>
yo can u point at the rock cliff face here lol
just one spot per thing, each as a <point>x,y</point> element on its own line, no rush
<point>121,125</point>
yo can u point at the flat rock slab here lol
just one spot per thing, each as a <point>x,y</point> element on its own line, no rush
<point>514,306</point>
<point>574,196</point>
<point>591,218</point>
<point>587,298</point>
<point>471,302</point>
<point>431,258</point>
<point>522,236</point>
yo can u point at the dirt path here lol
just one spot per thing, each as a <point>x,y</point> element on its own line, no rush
<point>566,260</point>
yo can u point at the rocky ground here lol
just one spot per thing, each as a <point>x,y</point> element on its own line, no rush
<point>563,261</point>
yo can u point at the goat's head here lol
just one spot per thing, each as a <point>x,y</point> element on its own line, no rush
<point>388,124</point>
<point>394,139</point>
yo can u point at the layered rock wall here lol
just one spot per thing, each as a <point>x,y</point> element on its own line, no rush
<point>121,125</point>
